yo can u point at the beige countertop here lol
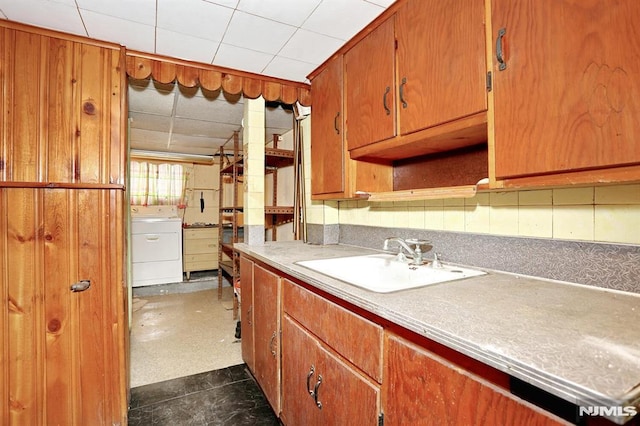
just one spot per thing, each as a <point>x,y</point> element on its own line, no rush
<point>577,342</point>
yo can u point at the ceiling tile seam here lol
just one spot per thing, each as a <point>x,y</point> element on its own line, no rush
<point>84,25</point>
<point>224,34</point>
<point>4,15</point>
<point>155,30</point>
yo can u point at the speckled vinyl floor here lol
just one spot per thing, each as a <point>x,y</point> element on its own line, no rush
<point>176,333</point>
<point>186,364</point>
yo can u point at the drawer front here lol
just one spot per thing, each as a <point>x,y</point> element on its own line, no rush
<point>355,338</point>
<point>207,258</point>
<point>200,246</point>
<point>200,266</point>
<point>200,233</point>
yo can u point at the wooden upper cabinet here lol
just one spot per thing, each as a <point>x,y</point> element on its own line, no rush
<point>62,110</point>
<point>370,88</point>
<point>441,62</point>
<point>568,98</point>
<point>327,130</point>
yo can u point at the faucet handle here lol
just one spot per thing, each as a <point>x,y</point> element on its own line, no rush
<point>436,260</point>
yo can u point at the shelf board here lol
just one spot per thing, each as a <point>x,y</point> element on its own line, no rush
<point>278,209</point>
<point>226,267</point>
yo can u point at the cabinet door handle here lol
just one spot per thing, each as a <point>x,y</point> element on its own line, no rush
<point>335,123</point>
<point>401,92</point>
<point>249,314</point>
<point>502,65</point>
<point>81,285</point>
<point>271,344</point>
<point>309,374</point>
<point>315,392</point>
<point>384,100</point>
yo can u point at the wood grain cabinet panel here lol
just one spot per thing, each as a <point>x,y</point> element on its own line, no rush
<point>266,325</point>
<point>370,90</point>
<point>422,388</point>
<point>441,62</point>
<point>334,175</point>
<point>318,387</point>
<point>353,337</point>
<point>568,98</point>
<point>246,312</point>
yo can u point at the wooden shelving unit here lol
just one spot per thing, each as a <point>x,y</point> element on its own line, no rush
<point>231,221</point>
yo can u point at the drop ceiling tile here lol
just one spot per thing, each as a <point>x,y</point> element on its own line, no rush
<point>255,33</point>
<point>200,108</point>
<point>289,69</point>
<point>342,18</point>
<point>227,3</point>
<point>209,129</point>
<point>184,46</point>
<point>149,122</point>
<point>311,47</point>
<point>279,117</point>
<point>241,59</point>
<point>141,11</point>
<point>151,101</point>
<point>292,12</point>
<point>132,34</point>
<point>148,137</point>
<point>383,3</point>
<point>194,17</point>
<point>44,13</point>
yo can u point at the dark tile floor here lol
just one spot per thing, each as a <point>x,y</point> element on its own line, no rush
<point>229,396</point>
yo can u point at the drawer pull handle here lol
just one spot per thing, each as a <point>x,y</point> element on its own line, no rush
<point>311,371</point>
<point>401,92</point>
<point>152,237</point>
<point>500,50</point>
<point>384,100</point>
<point>272,347</point>
<point>335,123</point>
<point>315,392</point>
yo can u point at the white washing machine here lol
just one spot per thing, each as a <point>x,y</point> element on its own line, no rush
<point>156,249</point>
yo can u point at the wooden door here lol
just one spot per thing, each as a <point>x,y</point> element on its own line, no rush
<point>369,87</point>
<point>327,131</point>
<point>340,396</point>
<point>441,62</point>
<point>63,352</point>
<point>246,312</point>
<point>569,96</point>
<point>266,320</point>
<point>422,388</point>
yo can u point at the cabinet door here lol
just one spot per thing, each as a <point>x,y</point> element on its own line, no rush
<point>369,87</point>
<point>447,394</point>
<point>341,395</point>
<point>246,312</point>
<point>441,62</point>
<point>327,146</point>
<point>266,321</point>
<point>569,97</point>
<point>63,351</point>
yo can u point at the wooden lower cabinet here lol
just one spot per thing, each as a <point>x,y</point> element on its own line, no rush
<point>423,388</point>
<point>318,387</point>
<point>266,337</point>
<point>246,311</point>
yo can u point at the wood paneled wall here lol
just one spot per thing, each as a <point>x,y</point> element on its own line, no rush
<point>62,110</point>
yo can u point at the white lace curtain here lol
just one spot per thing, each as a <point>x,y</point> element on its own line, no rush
<point>156,184</point>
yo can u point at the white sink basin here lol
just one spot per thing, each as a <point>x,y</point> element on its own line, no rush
<point>383,273</point>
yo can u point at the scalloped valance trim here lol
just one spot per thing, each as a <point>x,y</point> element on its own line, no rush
<point>141,66</point>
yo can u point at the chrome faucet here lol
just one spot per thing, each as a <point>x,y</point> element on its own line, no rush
<point>415,252</point>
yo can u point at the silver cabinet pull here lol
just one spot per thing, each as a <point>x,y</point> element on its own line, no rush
<point>315,392</point>
<point>311,371</point>
<point>81,285</point>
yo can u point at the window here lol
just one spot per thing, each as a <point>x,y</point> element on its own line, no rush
<point>156,183</point>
